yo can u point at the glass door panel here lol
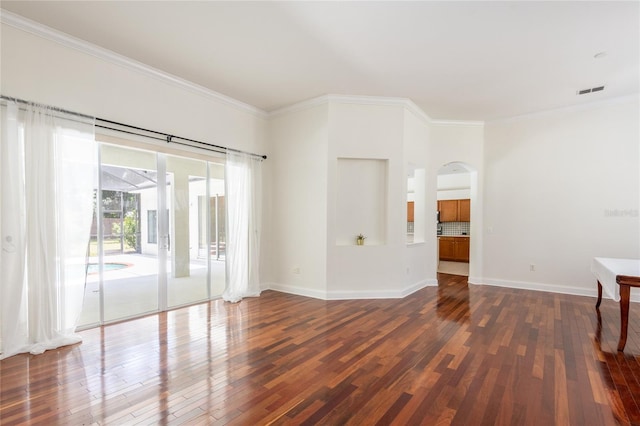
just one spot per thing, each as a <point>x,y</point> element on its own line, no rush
<point>90,314</point>
<point>130,243</point>
<point>187,264</point>
<point>217,226</point>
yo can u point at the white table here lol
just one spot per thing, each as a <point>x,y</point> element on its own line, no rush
<point>617,276</point>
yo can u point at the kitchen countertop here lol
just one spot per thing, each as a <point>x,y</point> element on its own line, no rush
<point>465,236</point>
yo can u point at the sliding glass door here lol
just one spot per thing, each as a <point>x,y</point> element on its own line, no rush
<point>216,241</point>
<point>156,241</point>
<point>187,270</point>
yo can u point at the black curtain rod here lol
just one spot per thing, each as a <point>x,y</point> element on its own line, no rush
<point>165,139</point>
<point>166,136</point>
<point>171,138</point>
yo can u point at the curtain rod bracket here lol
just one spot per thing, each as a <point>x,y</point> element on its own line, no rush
<point>169,137</point>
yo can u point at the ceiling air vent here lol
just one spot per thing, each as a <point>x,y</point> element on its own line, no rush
<point>591,90</point>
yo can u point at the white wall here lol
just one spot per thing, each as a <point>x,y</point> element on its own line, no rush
<point>454,194</point>
<point>371,132</point>
<point>314,249</point>
<point>420,265</point>
<point>361,201</point>
<point>454,181</point>
<point>298,244</point>
<point>455,186</point>
<point>550,179</point>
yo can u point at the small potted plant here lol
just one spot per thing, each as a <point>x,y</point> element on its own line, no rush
<point>360,239</point>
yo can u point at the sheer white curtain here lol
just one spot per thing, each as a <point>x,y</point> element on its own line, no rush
<point>243,181</point>
<point>48,163</point>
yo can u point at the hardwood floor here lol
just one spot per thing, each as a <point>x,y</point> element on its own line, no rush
<point>446,355</point>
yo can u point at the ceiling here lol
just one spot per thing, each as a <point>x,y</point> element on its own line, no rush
<point>456,60</point>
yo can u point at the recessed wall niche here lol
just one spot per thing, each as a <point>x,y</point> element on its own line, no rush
<point>361,200</point>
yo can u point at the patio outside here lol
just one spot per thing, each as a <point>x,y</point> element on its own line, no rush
<point>190,236</point>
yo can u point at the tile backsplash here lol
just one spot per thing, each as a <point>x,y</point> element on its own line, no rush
<point>455,228</point>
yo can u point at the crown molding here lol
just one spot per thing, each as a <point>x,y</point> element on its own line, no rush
<point>354,99</point>
<point>47,33</point>
<point>571,108</point>
<point>300,106</point>
<point>457,123</point>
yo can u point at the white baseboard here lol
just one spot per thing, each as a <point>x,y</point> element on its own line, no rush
<point>399,294</point>
<point>527,285</point>
<point>346,295</point>
<point>475,280</point>
<point>299,291</point>
<point>551,288</point>
<point>430,282</point>
<point>365,294</point>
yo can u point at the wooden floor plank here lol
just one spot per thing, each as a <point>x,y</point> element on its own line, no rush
<point>455,354</point>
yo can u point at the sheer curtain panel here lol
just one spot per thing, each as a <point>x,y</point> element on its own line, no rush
<point>243,182</point>
<point>48,163</point>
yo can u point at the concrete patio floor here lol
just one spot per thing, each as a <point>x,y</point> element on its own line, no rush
<point>133,290</point>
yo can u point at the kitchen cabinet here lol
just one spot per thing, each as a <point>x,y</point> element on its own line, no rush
<point>447,248</point>
<point>448,210</point>
<point>410,208</point>
<point>461,249</point>
<point>454,249</point>
<point>464,210</point>
<point>455,210</point>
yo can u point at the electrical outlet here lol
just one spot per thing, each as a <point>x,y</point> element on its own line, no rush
<point>532,268</point>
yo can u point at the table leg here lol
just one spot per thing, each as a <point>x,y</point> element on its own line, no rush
<point>625,293</point>
<point>599,295</point>
<point>599,328</point>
